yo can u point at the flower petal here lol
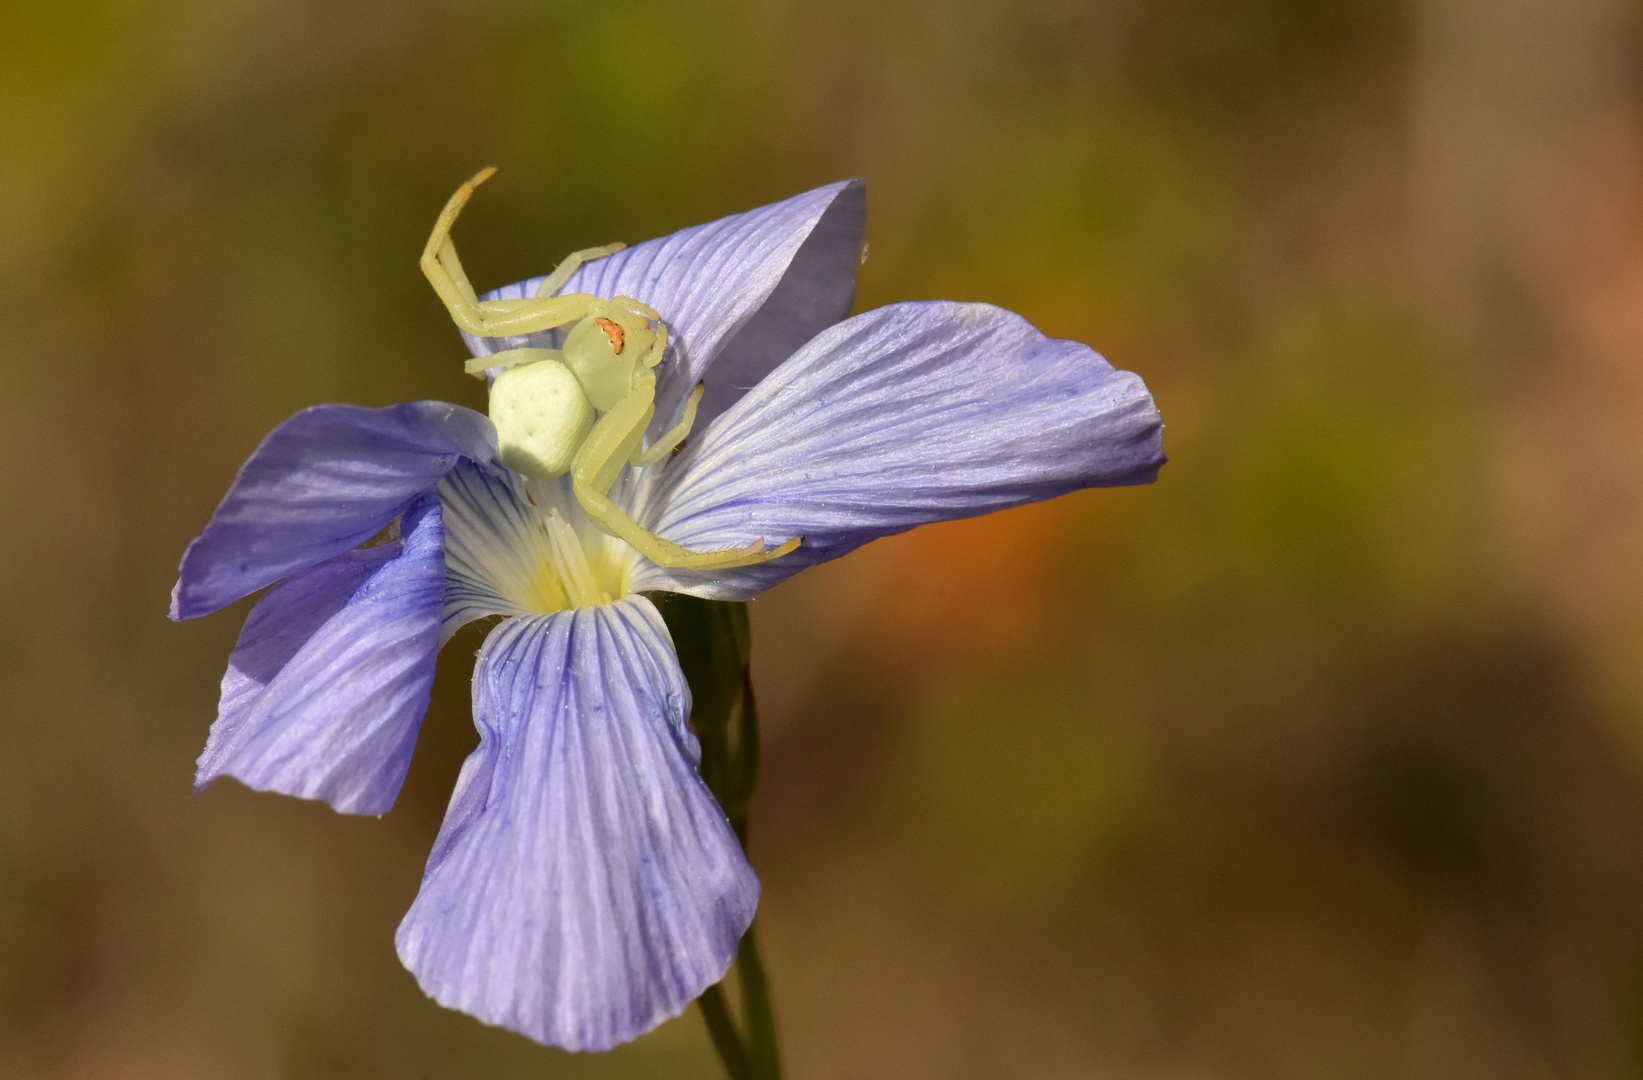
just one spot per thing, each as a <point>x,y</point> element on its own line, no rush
<point>501,557</point>
<point>584,886</point>
<point>325,481</point>
<point>495,544</point>
<point>328,685</point>
<point>746,290</point>
<point>904,415</point>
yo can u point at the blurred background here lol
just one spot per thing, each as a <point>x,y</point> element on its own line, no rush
<point>1321,757</point>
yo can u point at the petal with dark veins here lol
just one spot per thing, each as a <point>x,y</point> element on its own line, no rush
<point>323,482</point>
<point>903,415</point>
<point>585,886</point>
<point>328,685</point>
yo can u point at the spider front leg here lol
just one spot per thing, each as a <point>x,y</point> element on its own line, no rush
<point>615,437</point>
<point>497,318</point>
<point>570,264</point>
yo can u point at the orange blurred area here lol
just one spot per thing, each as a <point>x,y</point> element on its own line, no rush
<point>1318,758</point>
<point>962,592</point>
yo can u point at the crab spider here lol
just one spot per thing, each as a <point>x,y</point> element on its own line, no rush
<point>583,408</point>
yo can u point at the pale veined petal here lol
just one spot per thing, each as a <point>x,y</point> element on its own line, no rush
<point>518,547</point>
<point>903,415</point>
<point>584,886</point>
<point>328,685</point>
<point>325,481</point>
<point>495,547</point>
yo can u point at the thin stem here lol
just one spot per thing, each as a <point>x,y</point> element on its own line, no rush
<point>762,1052</point>
<point>714,642</point>
<point>716,1012</point>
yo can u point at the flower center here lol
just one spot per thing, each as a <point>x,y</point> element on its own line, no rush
<point>515,546</point>
<point>568,570</point>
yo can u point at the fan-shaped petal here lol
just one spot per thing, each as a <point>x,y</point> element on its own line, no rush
<point>325,481</point>
<point>584,886</point>
<point>328,685</point>
<point>899,416</point>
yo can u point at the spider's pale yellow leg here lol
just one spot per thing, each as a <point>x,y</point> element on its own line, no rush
<point>439,262</point>
<point>638,305</point>
<point>488,318</point>
<point>508,358</point>
<point>665,445</point>
<point>659,346</point>
<point>613,439</point>
<point>573,262</point>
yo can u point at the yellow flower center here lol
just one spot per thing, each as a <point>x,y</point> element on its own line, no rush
<point>527,545</point>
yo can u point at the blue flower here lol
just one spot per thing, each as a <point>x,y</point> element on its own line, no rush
<point>584,886</point>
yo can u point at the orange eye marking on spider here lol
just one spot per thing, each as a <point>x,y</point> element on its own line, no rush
<point>618,336</point>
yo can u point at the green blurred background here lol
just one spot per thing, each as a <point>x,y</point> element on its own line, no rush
<point>1320,758</point>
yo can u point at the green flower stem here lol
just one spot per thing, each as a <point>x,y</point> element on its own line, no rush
<point>763,1055</point>
<point>722,1027</point>
<point>714,644</point>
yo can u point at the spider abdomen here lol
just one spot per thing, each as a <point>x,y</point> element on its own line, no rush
<point>542,417</point>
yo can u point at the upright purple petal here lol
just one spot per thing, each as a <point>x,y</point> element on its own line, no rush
<point>329,683</point>
<point>584,886</point>
<point>738,294</point>
<point>325,481</point>
<point>900,416</point>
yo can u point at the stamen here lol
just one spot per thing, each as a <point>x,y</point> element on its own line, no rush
<point>518,546</point>
<point>577,577</point>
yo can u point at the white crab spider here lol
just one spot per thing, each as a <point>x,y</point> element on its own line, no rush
<point>544,405</point>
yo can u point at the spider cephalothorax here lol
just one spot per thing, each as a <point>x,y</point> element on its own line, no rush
<point>582,408</point>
